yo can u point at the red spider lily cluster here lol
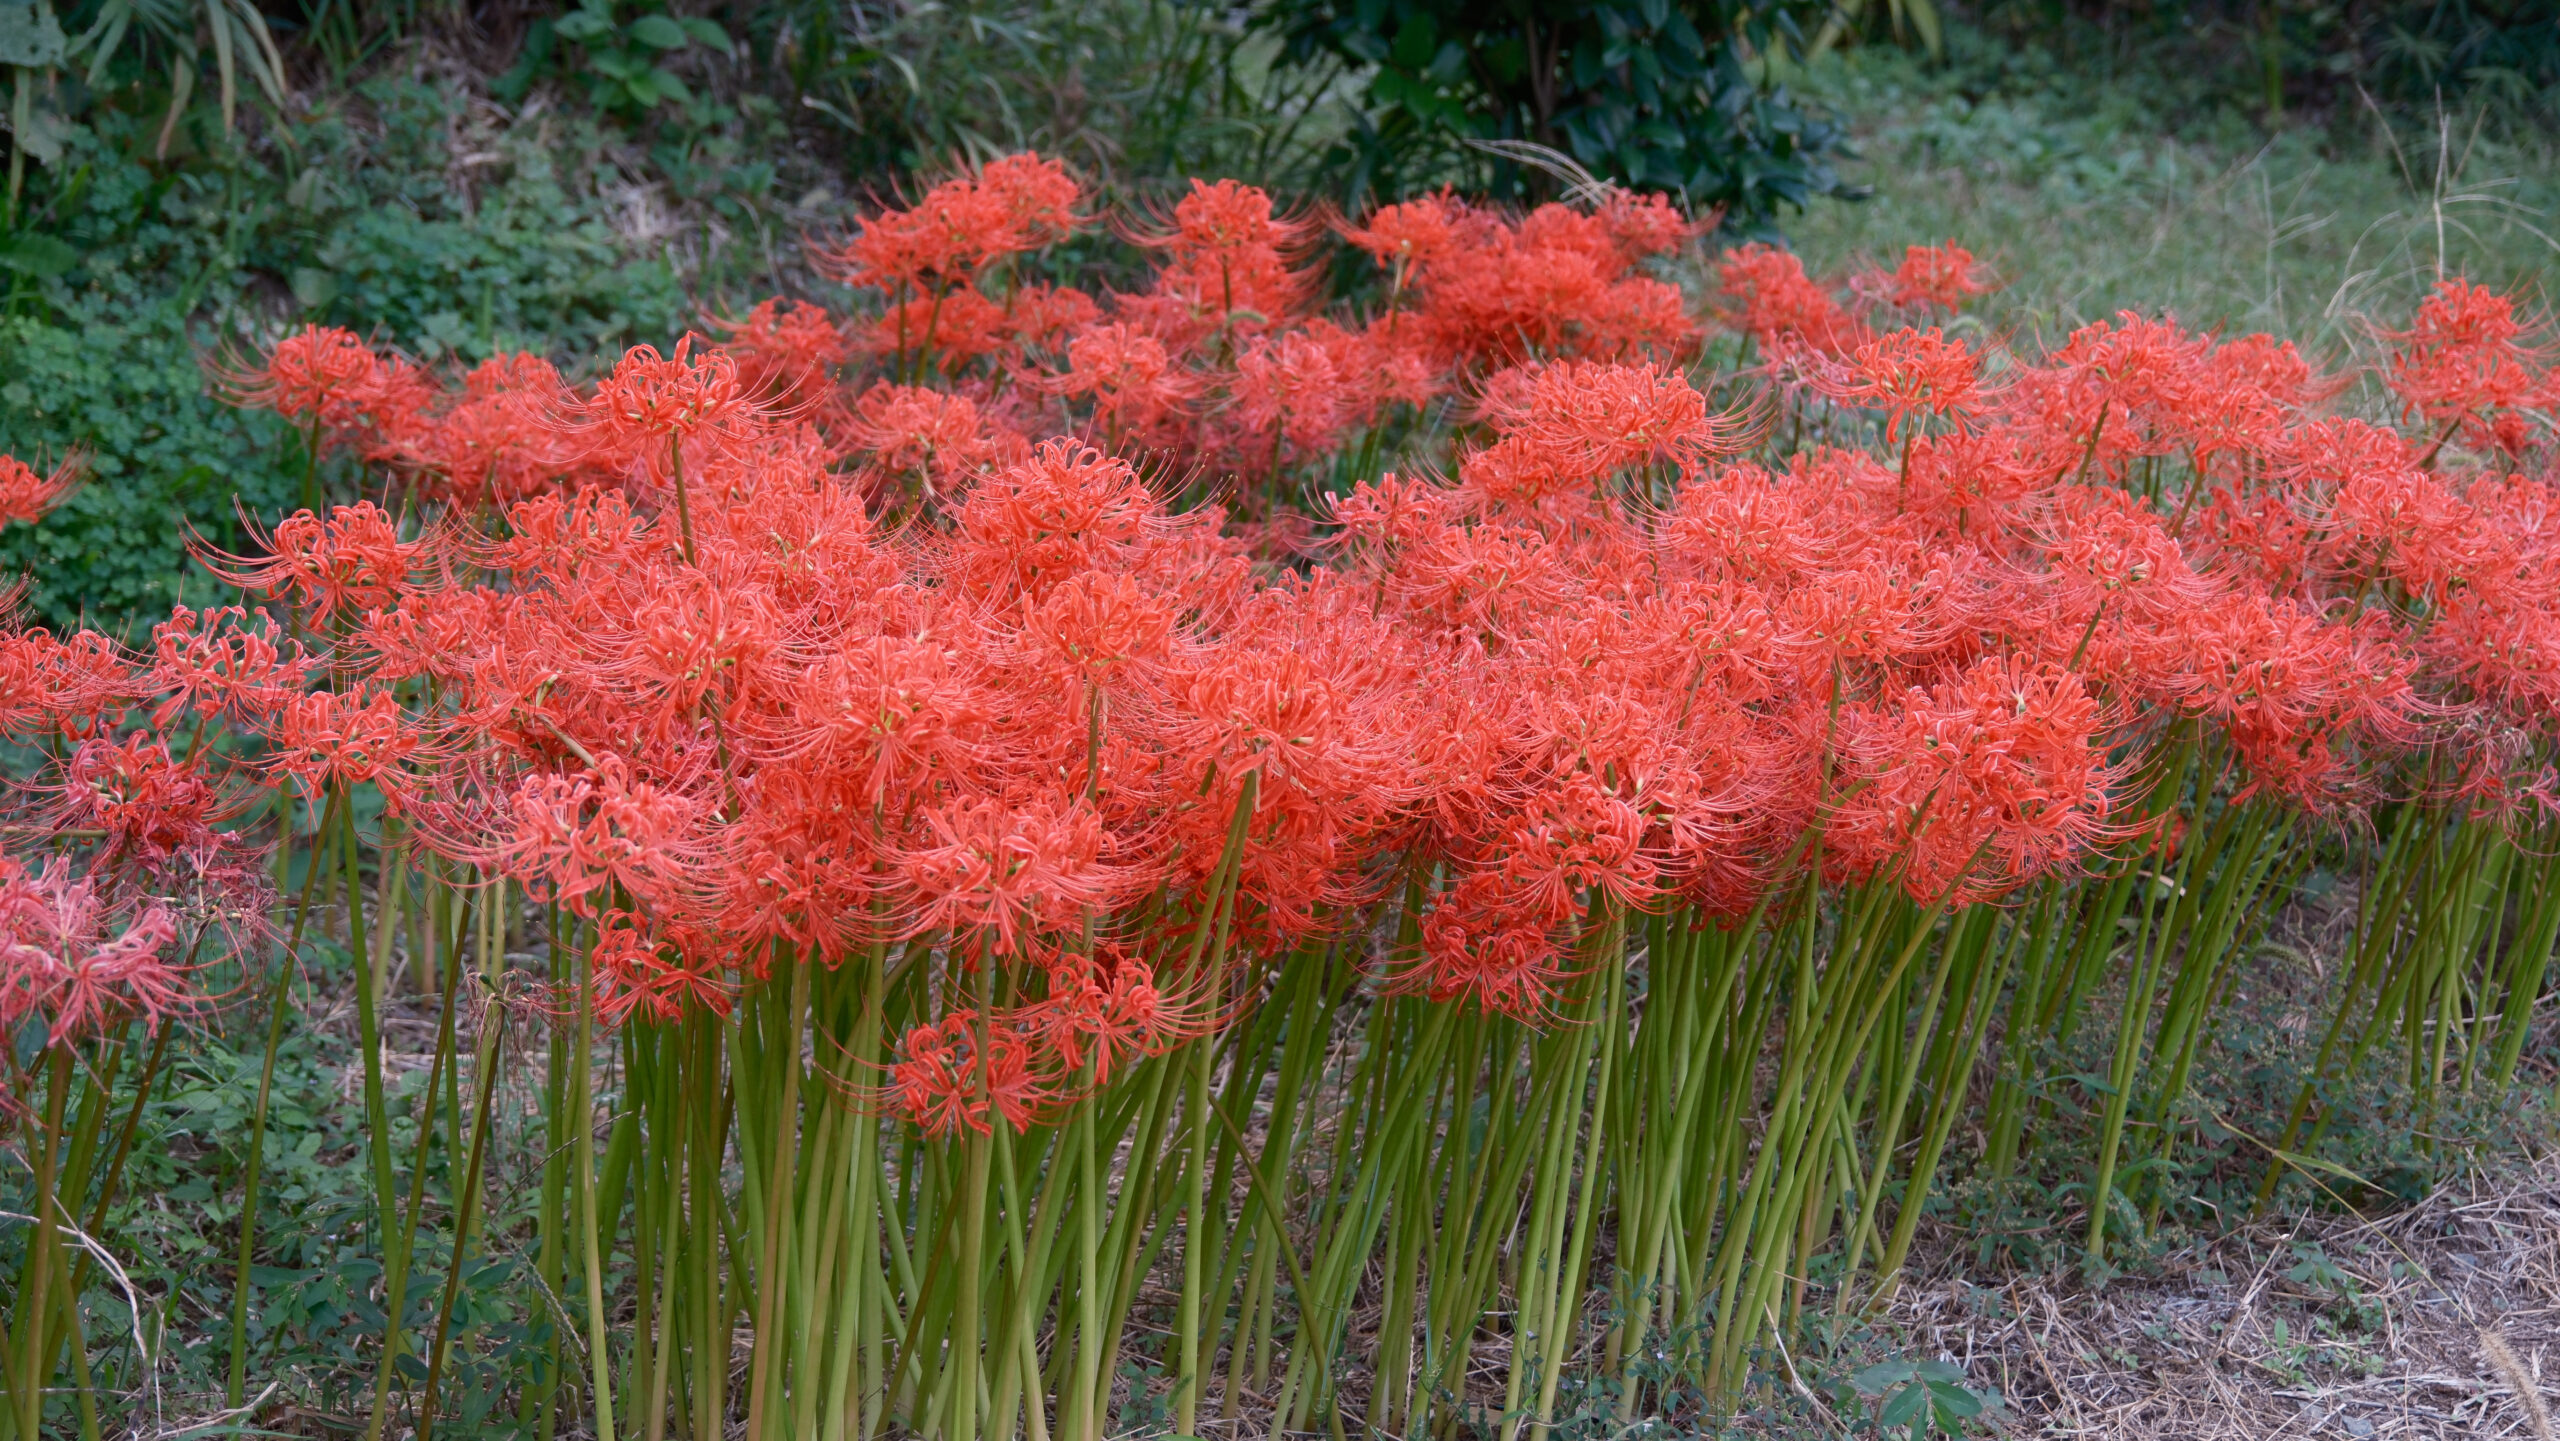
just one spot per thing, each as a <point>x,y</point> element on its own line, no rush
<point>801,639</point>
<point>127,879</point>
<point>1225,362</point>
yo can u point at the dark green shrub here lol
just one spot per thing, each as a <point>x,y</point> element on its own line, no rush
<point>2501,56</point>
<point>131,269</point>
<point>1131,92</point>
<point>165,457</point>
<point>1653,94</point>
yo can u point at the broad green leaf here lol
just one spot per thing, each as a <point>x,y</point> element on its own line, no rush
<point>1905,1407</point>
<point>668,87</point>
<point>659,33</point>
<point>41,256</point>
<point>705,32</point>
<point>1881,1377</point>
<point>584,24</point>
<point>30,36</point>
<point>1954,1403</point>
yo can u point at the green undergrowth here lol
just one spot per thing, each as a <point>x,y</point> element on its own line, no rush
<point>2088,198</point>
<point>402,211</point>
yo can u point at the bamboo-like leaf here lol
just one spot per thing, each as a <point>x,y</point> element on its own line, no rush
<point>218,20</point>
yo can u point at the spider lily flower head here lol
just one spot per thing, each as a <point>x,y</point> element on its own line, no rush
<point>28,495</point>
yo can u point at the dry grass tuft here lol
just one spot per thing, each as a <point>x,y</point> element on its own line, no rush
<point>2431,1321</point>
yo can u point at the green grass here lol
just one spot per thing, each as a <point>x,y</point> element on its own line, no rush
<point>2086,202</point>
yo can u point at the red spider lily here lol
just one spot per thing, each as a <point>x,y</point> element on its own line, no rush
<point>1601,672</point>
<point>2464,356</point>
<point>939,438</point>
<point>1579,837</point>
<point>955,328</point>
<point>70,958</point>
<point>1131,377</point>
<point>2498,630</point>
<point>963,225</point>
<point>576,836</point>
<point>148,804</point>
<point>2111,393</point>
<point>1979,784</point>
<point>352,561</point>
<point>1967,483</point>
<point>28,496</point>
<point>1780,306</point>
<point>1559,284</point>
<point>783,351</point>
<point>2297,695</point>
<point>325,374</point>
<point>1888,606</point>
<point>1577,422</point>
<point>957,1075</point>
<point>1046,317</point>
<point>651,397</point>
<point>792,870</point>
<point>501,440</point>
<point>2104,549</point>
<point>1097,1017</point>
<point>679,663</point>
<point>1098,622</point>
<point>886,710</point>
<point>1292,390</point>
<point>1940,276</point>
<point>1002,871</point>
<point>1228,267</point>
<point>219,664</point>
<point>638,976</point>
<point>1065,509</point>
<point>1739,522</point>
<point>72,686</point>
<point>326,738</point>
<point>1904,373</point>
<point>2406,524</point>
<point>1410,235</point>
<point>1643,225</point>
<point>2248,390</point>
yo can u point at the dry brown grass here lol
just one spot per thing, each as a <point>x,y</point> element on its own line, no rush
<point>2442,1320</point>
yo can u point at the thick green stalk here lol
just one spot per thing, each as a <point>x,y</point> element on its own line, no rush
<point>369,1036</point>
<point>1568,1306</point>
<point>396,1279</point>
<point>404,1242</point>
<point>2150,948</point>
<point>864,1297</point>
<point>966,1329</point>
<point>537,1409</point>
<point>771,1347</point>
<point>1960,948</point>
<point>35,1371</point>
<point>1954,1075</point>
<point>2007,1107</point>
<point>1212,977</point>
<point>582,1117</point>
<point>2530,957</point>
<point>492,1033</point>
<point>111,1187</point>
<point>255,1163</point>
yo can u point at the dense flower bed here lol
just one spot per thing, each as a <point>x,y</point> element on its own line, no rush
<point>1030,716</point>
